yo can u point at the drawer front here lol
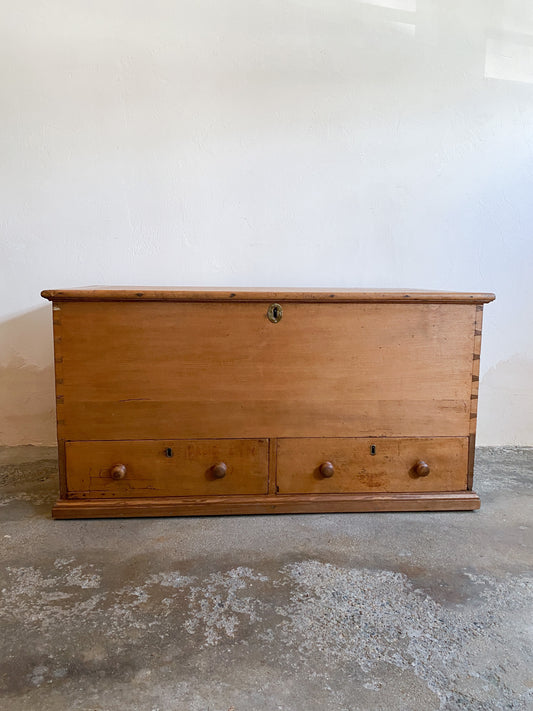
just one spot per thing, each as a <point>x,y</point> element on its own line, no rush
<point>358,465</point>
<point>120,469</point>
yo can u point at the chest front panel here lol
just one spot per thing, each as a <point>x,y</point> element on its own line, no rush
<point>158,370</point>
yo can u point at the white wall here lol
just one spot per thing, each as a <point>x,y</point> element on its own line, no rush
<point>383,143</point>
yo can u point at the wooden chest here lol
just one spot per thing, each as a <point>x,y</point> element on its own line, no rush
<point>204,401</point>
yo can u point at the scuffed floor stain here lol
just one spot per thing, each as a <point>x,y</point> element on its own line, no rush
<point>217,608</point>
<point>371,617</point>
<point>35,484</point>
<point>360,617</point>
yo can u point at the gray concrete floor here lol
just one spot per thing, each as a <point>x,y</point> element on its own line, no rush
<point>266,613</point>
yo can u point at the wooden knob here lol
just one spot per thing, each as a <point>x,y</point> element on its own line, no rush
<point>118,471</point>
<point>219,470</point>
<point>421,468</point>
<point>327,469</point>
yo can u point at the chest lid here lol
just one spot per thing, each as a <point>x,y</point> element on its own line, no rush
<point>251,294</point>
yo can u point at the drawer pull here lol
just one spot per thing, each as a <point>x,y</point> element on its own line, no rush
<point>327,469</point>
<point>118,471</point>
<point>421,468</point>
<point>219,470</point>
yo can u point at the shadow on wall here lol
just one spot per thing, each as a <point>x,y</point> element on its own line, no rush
<point>27,407</point>
<point>506,403</point>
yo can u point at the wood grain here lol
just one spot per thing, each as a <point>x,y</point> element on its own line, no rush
<point>272,465</point>
<point>476,354</point>
<point>150,472</point>
<point>393,467</point>
<point>235,505</point>
<point>169,293</point>
<point>474,396</point>
<point>60,398</point>
<point>212,370</point>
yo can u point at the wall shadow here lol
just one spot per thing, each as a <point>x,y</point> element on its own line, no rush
<point>27,386</point>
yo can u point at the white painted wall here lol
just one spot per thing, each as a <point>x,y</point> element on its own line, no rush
<point>383,143</point>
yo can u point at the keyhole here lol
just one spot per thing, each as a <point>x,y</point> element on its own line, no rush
<point>274,313</point>
<point>169,452</point>
<point>372,449</point>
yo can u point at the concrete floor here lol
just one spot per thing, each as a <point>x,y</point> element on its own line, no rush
<point>299,613</point>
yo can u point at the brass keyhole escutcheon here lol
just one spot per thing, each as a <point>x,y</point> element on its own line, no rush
<point>274,313</point>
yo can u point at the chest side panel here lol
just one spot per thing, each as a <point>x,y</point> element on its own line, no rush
<point>207,370</point>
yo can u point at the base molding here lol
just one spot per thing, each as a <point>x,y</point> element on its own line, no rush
<point>269,504</point>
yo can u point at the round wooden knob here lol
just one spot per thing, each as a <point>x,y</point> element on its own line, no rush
<point>327,469</point>
<point>118,471</point>
<point>421,468</point>
<point>219,470</point>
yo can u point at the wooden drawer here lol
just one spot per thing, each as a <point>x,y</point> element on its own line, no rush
<point>166,468</point>
<point>392,467</point>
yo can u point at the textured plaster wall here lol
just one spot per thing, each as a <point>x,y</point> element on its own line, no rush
<point>286,143</point>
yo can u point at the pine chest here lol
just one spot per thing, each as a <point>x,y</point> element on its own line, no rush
<point>203,401</point>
